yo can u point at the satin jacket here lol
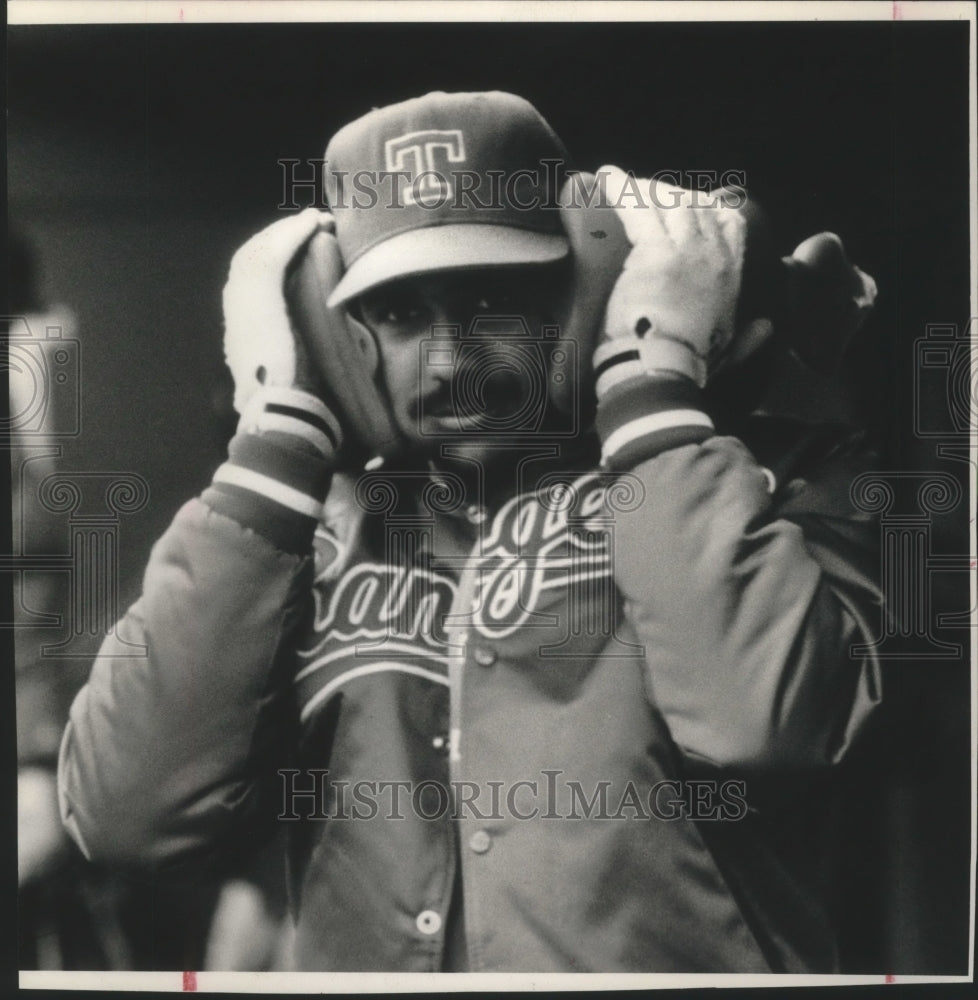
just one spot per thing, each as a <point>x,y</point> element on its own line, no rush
<point>607,712</point>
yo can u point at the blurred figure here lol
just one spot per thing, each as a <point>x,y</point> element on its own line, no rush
<point>72,914</point>
<point>251,930</point>
<point>57,901</point>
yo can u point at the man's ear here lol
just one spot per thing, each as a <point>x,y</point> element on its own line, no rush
<point>365,341</point>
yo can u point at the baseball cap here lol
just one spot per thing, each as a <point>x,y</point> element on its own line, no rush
<point>444,181</point>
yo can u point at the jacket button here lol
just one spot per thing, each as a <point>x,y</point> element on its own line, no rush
<point>441,743</point>
<point>485,656</point>
<point>480,841</point>
<point>475,513</point>
<point>428,922</point>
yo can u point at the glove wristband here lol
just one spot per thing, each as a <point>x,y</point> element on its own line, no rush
<point>292,411</point>
<point>655,354</point>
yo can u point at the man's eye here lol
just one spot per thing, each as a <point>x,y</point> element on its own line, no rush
<point>393,310</point>
<point>402,312</point>
<point>496,303</point>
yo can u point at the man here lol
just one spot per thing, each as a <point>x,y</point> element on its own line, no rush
<point>538,691</point>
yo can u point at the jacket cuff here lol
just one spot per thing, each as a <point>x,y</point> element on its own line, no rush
<point>648,415</point>
<point>274,486</point>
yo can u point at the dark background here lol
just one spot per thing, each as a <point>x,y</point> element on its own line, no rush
<point>141,157</point>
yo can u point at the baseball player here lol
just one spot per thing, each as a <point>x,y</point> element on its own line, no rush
<point>547,655</point>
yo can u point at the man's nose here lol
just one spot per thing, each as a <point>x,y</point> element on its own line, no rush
<point>447,314</point>
<point>436,361</point>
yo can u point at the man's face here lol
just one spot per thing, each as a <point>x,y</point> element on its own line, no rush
<point>463,357</point>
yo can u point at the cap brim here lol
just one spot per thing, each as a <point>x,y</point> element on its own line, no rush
<point>439,248</point>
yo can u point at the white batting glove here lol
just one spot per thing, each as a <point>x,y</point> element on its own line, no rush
<point>276,387</point>
<point>672,310</point>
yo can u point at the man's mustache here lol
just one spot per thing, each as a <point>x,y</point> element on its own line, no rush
<point>492,391</point>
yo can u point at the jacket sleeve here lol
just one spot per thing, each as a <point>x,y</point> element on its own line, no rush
<point>751,597</point>
<point>171,753</point>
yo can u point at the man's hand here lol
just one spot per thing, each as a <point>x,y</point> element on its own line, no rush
<point>41,839</point>
<point>277,387</point>
<point>673,307</point>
